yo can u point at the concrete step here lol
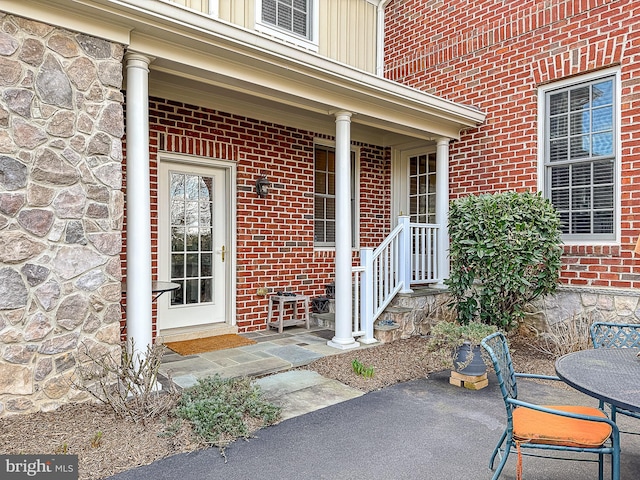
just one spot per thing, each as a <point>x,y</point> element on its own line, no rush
<point>303,391</point>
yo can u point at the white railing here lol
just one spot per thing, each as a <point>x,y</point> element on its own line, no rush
<point>408,255</point>
<point>358,327</point>
<point>424,253</point>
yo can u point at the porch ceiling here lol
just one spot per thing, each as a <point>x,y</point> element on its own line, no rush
<point>313,117</point>
<point>206,62</point>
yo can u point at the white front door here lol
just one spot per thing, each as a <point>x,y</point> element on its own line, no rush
<point>193,244</point>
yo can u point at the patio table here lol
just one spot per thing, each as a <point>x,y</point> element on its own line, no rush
<point>608,374</point>
<point>157,288</point>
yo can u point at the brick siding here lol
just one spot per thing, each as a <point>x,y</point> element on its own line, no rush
<point>493,55</point>
<point>275,234</point>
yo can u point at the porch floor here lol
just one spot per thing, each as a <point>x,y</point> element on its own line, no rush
<point>297,391</point>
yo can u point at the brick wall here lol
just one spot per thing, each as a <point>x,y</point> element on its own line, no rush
<point>274,234</point>
<point>493,55</point>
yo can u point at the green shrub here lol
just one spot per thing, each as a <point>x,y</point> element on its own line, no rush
<point>505,251</point>
<point>222,410</point>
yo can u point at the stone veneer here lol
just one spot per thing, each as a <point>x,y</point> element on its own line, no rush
<point>415,313</point>
<point>61,209</point>
<point>589,303</point>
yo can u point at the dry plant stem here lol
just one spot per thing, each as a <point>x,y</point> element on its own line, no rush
<point>129,386</point>
<point>566,336</point>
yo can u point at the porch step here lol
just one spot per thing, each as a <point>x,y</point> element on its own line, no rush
<point>382,333</point>
<point>410,314</point>
<point>326,320</point>
<point>386,333</point>
<point>197,331</point>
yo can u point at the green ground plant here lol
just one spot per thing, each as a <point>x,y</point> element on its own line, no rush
<point>222,410</point>
<point>360,369</point>
<point>505,251</point>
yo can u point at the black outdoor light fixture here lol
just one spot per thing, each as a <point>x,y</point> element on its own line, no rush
<point>262,186</point>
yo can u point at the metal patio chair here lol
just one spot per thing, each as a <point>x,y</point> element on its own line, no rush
<point>560,428</point>
<point>616,335</point>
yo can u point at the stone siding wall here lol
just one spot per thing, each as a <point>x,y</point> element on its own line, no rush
<point>587,304</point>
<point>61,209</point>
<point>569,304</point>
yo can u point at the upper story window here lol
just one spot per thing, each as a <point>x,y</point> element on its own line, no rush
<point>295,21</point>
<point>290,15</point>
<point>580,157</point>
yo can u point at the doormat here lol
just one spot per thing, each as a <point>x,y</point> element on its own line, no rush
<point>209,344</point>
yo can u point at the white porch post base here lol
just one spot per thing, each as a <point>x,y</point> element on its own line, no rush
<point>351,343</point>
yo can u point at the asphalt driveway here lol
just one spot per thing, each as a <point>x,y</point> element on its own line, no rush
<point>424,429</point>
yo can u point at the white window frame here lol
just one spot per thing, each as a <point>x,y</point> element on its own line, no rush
<point>584,239</point>
<point>309,43</point>
<point>355,217</point>
<point>408,156</point>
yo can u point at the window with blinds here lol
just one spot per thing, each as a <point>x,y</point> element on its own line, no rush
<point>294,16</point>
<point>580,158</point>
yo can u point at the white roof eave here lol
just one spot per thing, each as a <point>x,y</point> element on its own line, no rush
<point>190,44</point>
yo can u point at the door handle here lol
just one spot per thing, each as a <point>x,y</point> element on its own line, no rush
<point>222,252</point>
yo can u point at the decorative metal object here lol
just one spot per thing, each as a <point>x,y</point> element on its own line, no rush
<point>262,186</point>
<point>320,304</point>
<point>330,290</point>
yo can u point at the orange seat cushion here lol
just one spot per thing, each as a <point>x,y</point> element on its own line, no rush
<point>532,426</point>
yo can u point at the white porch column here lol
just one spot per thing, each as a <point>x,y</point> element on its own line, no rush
<point>343,338</point>
<point>442,207</point>
<point>139,329</point>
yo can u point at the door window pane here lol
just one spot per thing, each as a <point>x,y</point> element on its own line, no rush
<point>191,203</point>
<point>422,187</point>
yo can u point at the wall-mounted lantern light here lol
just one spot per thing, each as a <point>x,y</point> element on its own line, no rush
<point>262,186</point>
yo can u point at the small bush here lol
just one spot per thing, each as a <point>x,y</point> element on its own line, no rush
<point>222,410</point>
<point>127,383</point>
<point>505,251</point>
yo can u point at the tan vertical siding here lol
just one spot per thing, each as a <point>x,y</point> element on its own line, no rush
<point>199,5</point>
<point>238,12</point>
<point>348,32</point>
<point>347,27</point>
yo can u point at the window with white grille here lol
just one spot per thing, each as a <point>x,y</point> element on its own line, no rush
<point>290,15</point>
<point>422,188</point>
<point>325,197</point>
<point>292,20</point>
<point>580,137</point>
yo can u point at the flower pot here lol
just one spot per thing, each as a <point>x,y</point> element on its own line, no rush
<point>470,357</point>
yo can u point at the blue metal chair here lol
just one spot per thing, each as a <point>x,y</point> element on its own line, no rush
<point>530,426</point>
<point>616,335</point>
